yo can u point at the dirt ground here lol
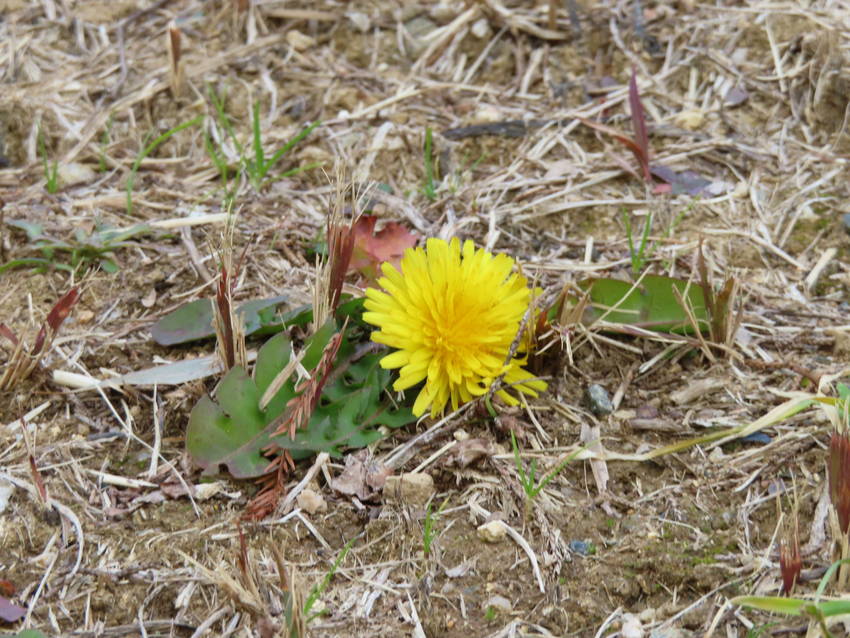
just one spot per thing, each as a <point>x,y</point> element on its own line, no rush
<point>751,97</point>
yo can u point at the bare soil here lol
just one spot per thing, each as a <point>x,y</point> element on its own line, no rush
<point>751,96</point>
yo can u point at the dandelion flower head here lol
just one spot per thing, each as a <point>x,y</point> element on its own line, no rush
<point>451,315</point>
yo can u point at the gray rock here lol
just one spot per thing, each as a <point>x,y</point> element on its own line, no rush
<point>499,603</point>
<point>596,398</point>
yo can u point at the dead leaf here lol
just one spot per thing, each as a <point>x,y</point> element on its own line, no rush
<point>467,452</point>
<point>372,249</point>
<point>460,570</point>
<point>362,477</point>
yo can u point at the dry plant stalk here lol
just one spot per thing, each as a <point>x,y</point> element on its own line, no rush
<point>175,68</point>
<point>790,561</point>
<point>330,274</point>
<point>21,363</point>
<point>300,408</point>
<point>297,627</point>
<point>229,329</point>
<point>838,469</point>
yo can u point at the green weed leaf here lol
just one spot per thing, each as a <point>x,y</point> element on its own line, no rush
<point>651,303</point>
<point>234,432</point>
<point>193,321</point>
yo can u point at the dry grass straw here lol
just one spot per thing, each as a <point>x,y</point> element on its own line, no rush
<point>544,196</point>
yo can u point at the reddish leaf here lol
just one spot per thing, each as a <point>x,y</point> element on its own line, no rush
<point>8,334</point>
<point>639,125</point>
<point>7,589</point>
<point>625,140</point>
<point>10,612</point>
<point>341,239</point>
<point>372,249</point>
<point>55,317</point>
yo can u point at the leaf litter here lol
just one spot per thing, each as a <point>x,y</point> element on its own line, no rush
<point>689,515</point>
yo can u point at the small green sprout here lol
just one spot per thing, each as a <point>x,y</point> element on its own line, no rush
<point>150,148</point>
<point>528,480</point>
<point>429,189</point>
<point>429,534</point>
<point>319,588</point>
<point>51,172</point>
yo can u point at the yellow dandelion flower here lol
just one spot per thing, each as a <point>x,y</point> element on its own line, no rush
<point>451,314</point>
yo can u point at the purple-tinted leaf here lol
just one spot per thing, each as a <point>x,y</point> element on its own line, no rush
<point>685,182</point>
<point>639,125</point>
<point>736,96</point>
<point>10,612</point>
<point>55,317</point>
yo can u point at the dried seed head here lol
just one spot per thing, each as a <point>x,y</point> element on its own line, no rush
<point>790,562</point>
<point>839,477</point>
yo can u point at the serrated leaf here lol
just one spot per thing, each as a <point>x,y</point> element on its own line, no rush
<point>651,304</point>
<point>234,432</point>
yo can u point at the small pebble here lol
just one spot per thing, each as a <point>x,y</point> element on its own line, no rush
<point>757,437</point>
<point>845,219</point>
<point>492,532</point>
<point>75,173</point>
<point>582,548</point>
<point>6,490</point>
<point>410,489</point>
<point>205,491</point>
<point>632,627</point>
<point>360,20</point>
<point>596,398</point>
<point>481,28</point>
<point>299,41</point>
<point>311,501</point>
<point>499,603</point>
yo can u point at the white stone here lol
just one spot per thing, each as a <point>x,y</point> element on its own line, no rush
<point>311,501</point>
<point>410,489</point>
<point>299,41</point>
<point>74,173</point>
<point>492,532</point>
<point>481,28</point>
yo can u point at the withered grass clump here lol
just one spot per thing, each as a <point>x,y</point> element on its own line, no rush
<point>22,363</point>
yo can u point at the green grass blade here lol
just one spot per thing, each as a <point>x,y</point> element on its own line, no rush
<point>259,165</point>
<point>773,604</point>
<point>290,144</point>
<point>430,191</point>
<point>149,149</point>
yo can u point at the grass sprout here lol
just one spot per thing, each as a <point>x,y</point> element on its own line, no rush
<point>254,163</point>
<point>150,148</point>
<point>429,189</point>
<point>51,171</point>
<point>528,479</point>
<point>319,588</point>
<point>429,533</point>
